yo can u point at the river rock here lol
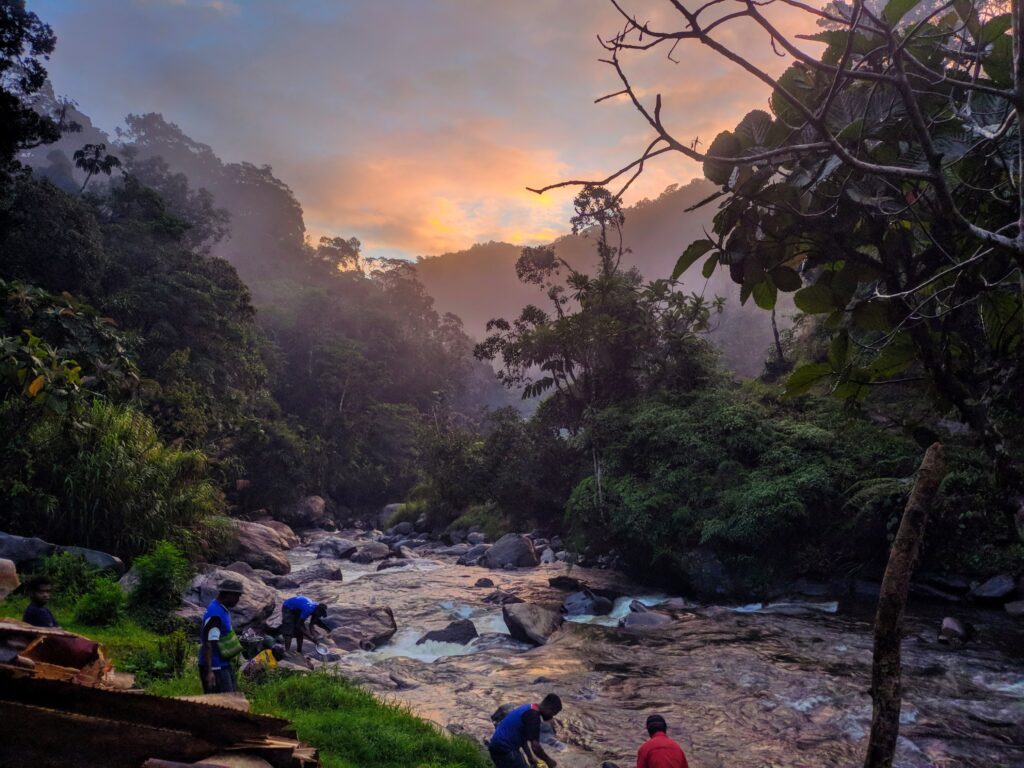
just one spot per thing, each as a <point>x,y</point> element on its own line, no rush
<point>511,549</point>
<point>391,562</point>
<point>474,554</point>
<point>355,627</point>
<point>460,632</point>
<point>475,537</point>
<point>23,550</point>
<point>456,550</point>
<point>261,547</point>
<point>996,590</point>
<point>644,620</point>
<point>99,560</point>
<point>242,568</point>
<point>316,572</point>
<point>485,582</point>
<point>1015,608</point>
<point>337,548</point>
<point>289,538</point>
<point>256,603</point>
<point>954,631</point>
<point>8,578</point>
<point>370,552</point>
<point>567,583</point>
<point>310,512</point>
<point>707,575</point>
<point>586,603</point>
<point>547,557</point>
<point>530,623</point>
<point>404,528</point>
<point>501,597</point>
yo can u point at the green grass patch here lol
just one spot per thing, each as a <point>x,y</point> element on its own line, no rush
<point>353,729</point>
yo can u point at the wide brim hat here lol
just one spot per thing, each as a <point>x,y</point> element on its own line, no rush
<point>231,585</point>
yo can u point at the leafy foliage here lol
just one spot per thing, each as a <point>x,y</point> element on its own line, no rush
<point>161,577</point>
<point>102,605</point>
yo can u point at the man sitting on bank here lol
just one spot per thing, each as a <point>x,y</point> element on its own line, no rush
<point>519,731</point>
<point>294,613</point>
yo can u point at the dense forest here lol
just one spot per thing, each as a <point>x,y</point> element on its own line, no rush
<point>176,351</point>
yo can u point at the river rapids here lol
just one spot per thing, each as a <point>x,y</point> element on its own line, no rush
<point>740,686</point>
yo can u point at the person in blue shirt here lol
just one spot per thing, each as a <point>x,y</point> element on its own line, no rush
<point>519,731</point>
<point>37,613</point>
<point>294,613</point>
<point>217,674</point>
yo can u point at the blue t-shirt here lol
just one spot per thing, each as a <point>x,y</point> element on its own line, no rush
<point>519,726</point>
<point>302,604</point>
<point>214,611</point>
<point>39,616</point>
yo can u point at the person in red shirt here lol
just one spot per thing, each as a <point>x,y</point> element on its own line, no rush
<point>659,751</point>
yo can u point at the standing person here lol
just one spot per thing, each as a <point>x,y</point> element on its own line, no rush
<point>519,731</point>
<point>294,612</point>
<point>659,751</point>
<point>38,613</point>
<point>219,644</point>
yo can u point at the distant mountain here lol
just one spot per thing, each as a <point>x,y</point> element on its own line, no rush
<point>480,283</point>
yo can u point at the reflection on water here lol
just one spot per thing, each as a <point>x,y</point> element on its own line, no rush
<point>776,685</point>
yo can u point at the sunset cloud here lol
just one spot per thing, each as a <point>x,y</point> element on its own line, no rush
<point>415,126</point>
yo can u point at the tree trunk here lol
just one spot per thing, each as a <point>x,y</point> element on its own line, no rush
<point>892,600</point>
<point>778,341</point>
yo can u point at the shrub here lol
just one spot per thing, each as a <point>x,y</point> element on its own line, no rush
<point>105,480</point>
<point>162,576</point>
<point>170,658</point>
<point>101,606</point>
<point>71,576</point>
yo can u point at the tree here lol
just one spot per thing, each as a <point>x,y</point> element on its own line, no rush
<point>93,159</point>
<point>884,187</point>
<point>25,43</point>
<point>609,336</point>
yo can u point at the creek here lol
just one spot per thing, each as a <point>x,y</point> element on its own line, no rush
<point>784,685</point>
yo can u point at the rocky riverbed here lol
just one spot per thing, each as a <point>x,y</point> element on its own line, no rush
<point>742,686</point>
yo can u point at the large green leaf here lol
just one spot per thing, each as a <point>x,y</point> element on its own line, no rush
<point>785,279</point>
<point>805,377</point>
<point>725,145</point>
<point>895,10</point>
<point>872,315</point>
<point>839,350</point>
<point>709,266</point>
<point>765,294</point>
<point>815,299</point>
<point>693,252</point>
<point>753,129</point>
<point>894,358</point>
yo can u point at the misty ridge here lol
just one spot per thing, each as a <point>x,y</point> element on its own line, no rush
<point>264,236</point>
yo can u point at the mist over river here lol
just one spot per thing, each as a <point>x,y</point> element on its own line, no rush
<point>741,687</point>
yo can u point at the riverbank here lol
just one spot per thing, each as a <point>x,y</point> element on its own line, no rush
<point>349,726</point>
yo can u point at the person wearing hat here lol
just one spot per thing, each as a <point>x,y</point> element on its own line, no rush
<point>218,642</point>
<point>294,613</point>
<point>659,751</point>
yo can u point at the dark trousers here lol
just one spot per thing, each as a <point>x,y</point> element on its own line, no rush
<point>223,680</point>
<point>291,627</point>
<point>505,759</point>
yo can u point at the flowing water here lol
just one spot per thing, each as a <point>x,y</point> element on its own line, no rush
<point>741,687</point>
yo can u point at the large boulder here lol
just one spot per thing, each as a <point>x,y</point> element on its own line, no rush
<point>370,552</point>
<point>256,603</point>
<point>707,575</point>
<point>501,597</point>
<point>338,548</point>
<point>475,537</point>
<point>567,583</point>
<point>586,603</point>
<point>99,560</point>
<point>289,538</point>
<point>261,547</point>
<point>530,623</point>
<point>461,632</point>
<point>1016,608</point>
<point>23,550</point>
<point>319,571</point>
<point>8,578</point>
<point>997,590</point>
<point>355,627</point>
<point>954,631</point>
<point>512,549</point>
<point>404,528</point>
<point>310,512</point>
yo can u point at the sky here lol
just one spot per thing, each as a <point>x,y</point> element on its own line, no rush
<point>414,125</point>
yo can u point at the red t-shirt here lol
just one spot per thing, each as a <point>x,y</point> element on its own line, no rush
<point>660,751</point>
